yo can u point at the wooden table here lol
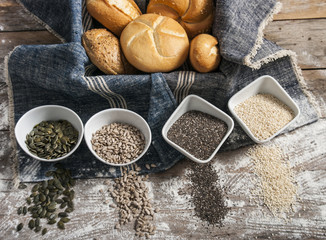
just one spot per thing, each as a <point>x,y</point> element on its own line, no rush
<point>301,27</point>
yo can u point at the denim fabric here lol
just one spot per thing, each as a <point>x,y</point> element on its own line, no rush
<point>62,74</point>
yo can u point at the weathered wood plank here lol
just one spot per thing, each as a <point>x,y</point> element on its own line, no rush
<point>316,82</point>
<point>14,18</point>
<point>6,170</point>
<point>305,37</point>
<point>11,39</point>
<point>4,107</point>
<point>301,9</point>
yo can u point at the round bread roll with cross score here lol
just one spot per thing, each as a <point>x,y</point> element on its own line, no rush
<point>154,43</point>
<point>113,14</point>
<point>195,16</point>
<point>204,53</point>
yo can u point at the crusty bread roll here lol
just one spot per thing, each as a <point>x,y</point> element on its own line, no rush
<point>154,43</point>
<point>204,53</point>
<point>113,14</point>
<point>103,49</point>
<point>195,16</point>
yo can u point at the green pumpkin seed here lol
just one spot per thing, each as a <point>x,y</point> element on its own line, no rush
<point>43,213</point>
<point>59,201</point>
<point>19,210</point>
<point>63,205</point>
<point>20,227</point>
<point>52,216</point>
<point>63,214</point>
<point>44,231</point>
<point>42,197</point>
<point>35,188</point>
<point>69,210</point>
<point>61,225</point>
<point>28,200</point>
<point>35,215</point>
<point>52,206</point>
<point>22,186</point>
<point>24,210</point>
<point>65,219</point>
<point>31,224</point>
<point>52,221</point>
<point>37,222</point>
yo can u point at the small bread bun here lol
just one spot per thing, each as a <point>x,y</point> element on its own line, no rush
<point>103,49</point>
<point>195,16</point>
<point>154,43</point>
<point>204,54</point>
<point>113,14</point>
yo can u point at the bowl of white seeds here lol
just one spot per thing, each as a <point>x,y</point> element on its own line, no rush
<point>117,137</point>
<point>263,109</point>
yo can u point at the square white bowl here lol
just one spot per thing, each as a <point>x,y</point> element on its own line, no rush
<point>263,84</point>
<point>193,102</point>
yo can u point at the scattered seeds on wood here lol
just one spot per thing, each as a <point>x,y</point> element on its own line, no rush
<point>275,184</point>
<point>206,194</point>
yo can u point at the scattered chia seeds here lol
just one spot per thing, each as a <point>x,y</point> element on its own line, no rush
<point>198,133</point>
<point>207,195</point>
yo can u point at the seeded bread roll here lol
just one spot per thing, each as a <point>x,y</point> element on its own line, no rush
<point>204,53</point>
<point>154,43</point>
<point>113,14</point>
<point>195,16</point>
<point>103,49</point>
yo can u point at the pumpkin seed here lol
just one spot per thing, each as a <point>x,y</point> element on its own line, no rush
<point>20,227</point>
<point>22,186</point>
<point>24,210</point>
<point>43,213</point>
<point>19,210</point>
<point>69,210</point>
<point>63,214</point>
<point>52,216</point>
<point>31,224</point>
<point>44,231</point>
<point>64,219</point>
<point>63,205</point>
<point>37,222</point>
<point>35,188</point>
<point>28,200</point>
<point>61,225</point>
<point>52,221</point>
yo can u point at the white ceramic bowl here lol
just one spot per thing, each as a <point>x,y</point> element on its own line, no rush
<point>112,115</point>
<point>263,84</point>
<point>46,113</point>
<point>193,102</point>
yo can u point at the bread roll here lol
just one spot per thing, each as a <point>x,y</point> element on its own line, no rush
<point>154,43</point>
<point>103,49</point>
<point>204,53</point>
<point>195,16</point>
<point>113,14</point>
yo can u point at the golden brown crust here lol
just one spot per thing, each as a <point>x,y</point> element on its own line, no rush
<point>204,53</point>
<point>154,43</point>
<point>113,14</point>
<point>103,49</point>
<point>195,16</point>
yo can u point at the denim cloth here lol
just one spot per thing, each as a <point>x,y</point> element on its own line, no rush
<point>62,74</point>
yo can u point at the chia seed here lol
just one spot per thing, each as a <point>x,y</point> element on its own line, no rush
<point>207,195</point>
<point>198,133</point>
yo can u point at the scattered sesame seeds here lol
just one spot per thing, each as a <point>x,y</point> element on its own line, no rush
<point>264,115</point>
<point>276,185</point>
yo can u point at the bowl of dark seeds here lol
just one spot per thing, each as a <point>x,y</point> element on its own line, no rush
<point>197,129</point>
<point>117,137</point>
<point>49,133</point>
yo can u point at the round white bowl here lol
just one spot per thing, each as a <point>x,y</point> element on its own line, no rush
<point>113,115</point>
<point>47,113</point>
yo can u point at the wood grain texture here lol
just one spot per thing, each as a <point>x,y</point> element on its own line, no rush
<point>301,9</point>
<point>14,18</point>
<point>307,38</point>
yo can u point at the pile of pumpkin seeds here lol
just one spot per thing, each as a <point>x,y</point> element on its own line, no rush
<point>52,139</point>
<point>132,201</point>
<point>50,200</point>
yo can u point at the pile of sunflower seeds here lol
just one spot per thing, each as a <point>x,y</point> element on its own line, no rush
<point>131,198</point>
<point>118,143</point>
<point>52,139</point>
<point>50,200</point>
<point>207,196</point>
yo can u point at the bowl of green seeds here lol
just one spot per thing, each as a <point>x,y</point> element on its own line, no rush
<point>49,133</point>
